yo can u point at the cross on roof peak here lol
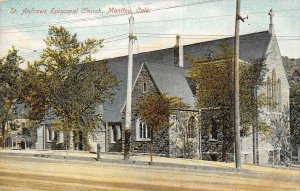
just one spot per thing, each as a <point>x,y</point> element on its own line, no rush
<point>271,25</point>
<point>271,13</point>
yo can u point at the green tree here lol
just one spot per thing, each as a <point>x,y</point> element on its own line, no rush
<point>67,82</point>
<point>280,138</point>
<point>215,88</point>
<point>251,79</point>
<point>154,110</point>
<point>291,65</point>
<point>9,87</point>
<point>295,112</point>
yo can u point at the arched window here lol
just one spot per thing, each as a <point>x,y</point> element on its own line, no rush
<point>269,93</point>
<point>48,134</point>
<point>274,91</point>
<point>279,95</point>
<point>191,127</point>
<point>115,133</point>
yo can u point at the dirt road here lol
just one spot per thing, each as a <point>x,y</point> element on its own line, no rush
<point>24,173</point>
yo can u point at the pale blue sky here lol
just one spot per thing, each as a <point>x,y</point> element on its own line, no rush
<point>213,17</point>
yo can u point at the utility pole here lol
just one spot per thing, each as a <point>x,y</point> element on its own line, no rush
<point>237,85</point>
<point>127,132</point>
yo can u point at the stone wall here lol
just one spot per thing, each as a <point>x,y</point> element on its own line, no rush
<point>161,138</point>
<point>247,149</point>
<point>57,141</point>
<point>97,137</point>
<point>217,147</point>
<point>184,134</point>
<point>39,145</point>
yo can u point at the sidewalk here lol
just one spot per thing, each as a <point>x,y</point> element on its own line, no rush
<point>143,159</point>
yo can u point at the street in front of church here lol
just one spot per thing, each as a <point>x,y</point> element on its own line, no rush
<point>22,172</point>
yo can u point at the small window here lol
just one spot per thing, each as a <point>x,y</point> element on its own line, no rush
<point>145,87</point>
<point>214,129</point>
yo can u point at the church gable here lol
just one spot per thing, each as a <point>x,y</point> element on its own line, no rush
<point>143,85</point>
<point>277,86</point>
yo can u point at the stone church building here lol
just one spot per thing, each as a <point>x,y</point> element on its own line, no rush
<point>193,133</point>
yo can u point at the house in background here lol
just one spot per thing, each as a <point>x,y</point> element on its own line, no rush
<point>19,132</point>
<point>18,136</point>
<point>197,132</point>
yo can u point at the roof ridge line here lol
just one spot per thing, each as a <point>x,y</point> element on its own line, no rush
<point>265,31</point>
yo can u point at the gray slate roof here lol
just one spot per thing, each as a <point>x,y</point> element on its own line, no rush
<point>161,65</point>
<point>171,80</point>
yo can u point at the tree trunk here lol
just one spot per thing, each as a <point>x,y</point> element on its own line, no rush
<point>66,150</point>
<point>3,134</point>
<point>151,153</point>
<point>224,143</point>
<point>151,148</point>
<point>127,144</point>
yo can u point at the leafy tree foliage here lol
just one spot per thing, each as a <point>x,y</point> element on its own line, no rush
<point>155,109</point>
<point>214,79</point>
<point>67,83</point>
<point>295,111</point>
<point>251,79</point>
<point>9,86</point>
<point>215,89</point>
<point>280,137</point>
<point>291,65</point>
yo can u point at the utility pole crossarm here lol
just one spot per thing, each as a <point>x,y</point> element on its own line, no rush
<point>239,17</point>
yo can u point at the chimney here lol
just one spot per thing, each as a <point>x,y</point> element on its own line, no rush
<point>271,25</point>
<point>178,54</point>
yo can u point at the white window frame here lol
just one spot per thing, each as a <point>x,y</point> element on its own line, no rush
<point>138,131</point>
